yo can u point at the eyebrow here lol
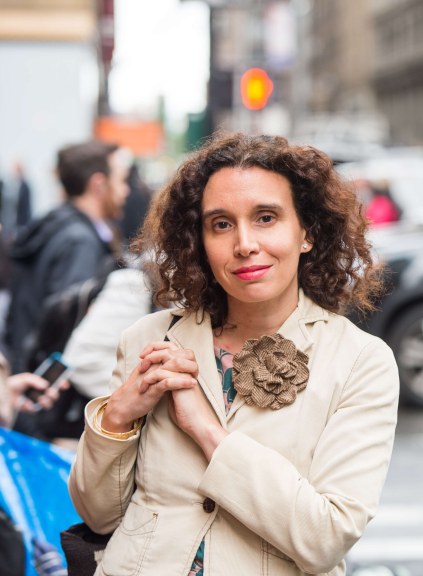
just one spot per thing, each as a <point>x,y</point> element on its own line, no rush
<point>220,211</point>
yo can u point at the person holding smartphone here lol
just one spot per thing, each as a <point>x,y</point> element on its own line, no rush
<point>13,389</point>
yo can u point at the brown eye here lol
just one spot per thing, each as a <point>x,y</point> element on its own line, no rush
<point>221,225</point>
<point>266,218</point>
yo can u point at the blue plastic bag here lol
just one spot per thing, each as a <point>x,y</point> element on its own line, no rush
<point>33,490</point>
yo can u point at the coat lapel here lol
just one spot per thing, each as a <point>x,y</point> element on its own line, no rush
<point>294,328</point>
<point>188,333</point>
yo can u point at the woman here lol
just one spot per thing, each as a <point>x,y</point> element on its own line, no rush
<point>260,244</point>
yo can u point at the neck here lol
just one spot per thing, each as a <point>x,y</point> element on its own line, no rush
<point>87,205</point>
<point>252,321</point>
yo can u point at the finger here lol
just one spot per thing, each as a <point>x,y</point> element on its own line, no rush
<point>144,384</point>
<point>20,382</point>
<point>35,381</point>
<point>161,375</point>
<point>166,353</point>
<point>152,385</point>
<point>157,346</point>
<point>144,365</point>
<point>64,385</point>
<point>182,365</point>
<point>51,393</point>
<point>179,360</point>
<point>148,361</point>
<point>22,404</point>
<point>46,402</point>
<point>176,382</point>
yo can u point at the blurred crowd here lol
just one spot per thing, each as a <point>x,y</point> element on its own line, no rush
<point>67,290</point>
<point>55,268</point>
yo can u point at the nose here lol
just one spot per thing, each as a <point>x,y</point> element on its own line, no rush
<point>246,242</point>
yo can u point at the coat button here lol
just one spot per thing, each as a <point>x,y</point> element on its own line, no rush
<point>209,505</point>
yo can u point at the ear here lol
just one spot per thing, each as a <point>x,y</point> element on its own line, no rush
<point>97,182</point>
<point>306,245</point>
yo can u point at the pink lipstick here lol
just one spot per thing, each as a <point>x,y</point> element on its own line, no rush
<point>248,273</point>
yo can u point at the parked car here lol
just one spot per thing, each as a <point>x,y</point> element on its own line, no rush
<point>399,245</point>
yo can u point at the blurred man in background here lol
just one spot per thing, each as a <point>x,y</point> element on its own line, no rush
<point>72,243</point>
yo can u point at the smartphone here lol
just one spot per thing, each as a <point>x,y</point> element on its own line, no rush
<point>54,370</point>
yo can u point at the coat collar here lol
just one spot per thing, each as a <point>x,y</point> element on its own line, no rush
<point>295,327</point>
<point>192,334</point>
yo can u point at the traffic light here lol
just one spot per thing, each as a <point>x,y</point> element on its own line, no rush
<point>256,88</point>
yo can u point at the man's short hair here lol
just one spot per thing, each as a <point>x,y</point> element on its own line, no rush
<point>77,163</point>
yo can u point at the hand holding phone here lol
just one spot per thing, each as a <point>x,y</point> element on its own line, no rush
<point>54,370</point>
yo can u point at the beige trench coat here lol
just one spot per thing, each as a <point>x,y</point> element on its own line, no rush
<point>287,492</point>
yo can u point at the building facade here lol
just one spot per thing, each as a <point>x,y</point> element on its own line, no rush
<point>51,77</point>
<point>365,64</point>
<point>398,67</point>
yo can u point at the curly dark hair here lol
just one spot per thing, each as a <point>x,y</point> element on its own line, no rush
<point>337,273</point>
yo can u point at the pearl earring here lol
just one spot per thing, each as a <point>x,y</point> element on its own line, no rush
<point>305,246</point>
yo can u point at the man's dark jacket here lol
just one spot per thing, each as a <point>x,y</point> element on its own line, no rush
<point>61,249</point>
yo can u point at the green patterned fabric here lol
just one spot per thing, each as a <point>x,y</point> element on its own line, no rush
<point>224,367</point>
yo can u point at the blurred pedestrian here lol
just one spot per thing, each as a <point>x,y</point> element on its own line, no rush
<point>24,207</point>
<point>15,203</point>
<point>12,549</point>
<point>136,205</point>
<point>72,243</point>
<point>250,428</point>
<point>5,270</point>
<point>381,208</point>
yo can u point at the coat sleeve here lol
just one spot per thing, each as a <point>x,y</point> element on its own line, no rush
<point>102,478</point>
<point>315,520</point>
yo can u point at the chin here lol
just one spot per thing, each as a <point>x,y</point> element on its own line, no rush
<point>251,298</point>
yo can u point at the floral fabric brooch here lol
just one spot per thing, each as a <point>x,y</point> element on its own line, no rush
<point>270,371</point>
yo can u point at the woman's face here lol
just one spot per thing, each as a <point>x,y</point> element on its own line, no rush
<point>252,236</point>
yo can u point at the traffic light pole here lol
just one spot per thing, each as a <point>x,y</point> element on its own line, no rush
<point>249,120</point>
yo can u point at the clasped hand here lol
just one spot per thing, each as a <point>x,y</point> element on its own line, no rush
<point>165,369</point>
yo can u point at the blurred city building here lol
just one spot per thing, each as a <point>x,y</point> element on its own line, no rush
<point>398,66</point>
<point>363,61</point>
<point>345,74</point>
<point>334,103</point>
<point>55,62</point>
<point>54,59</point>
<point>341,60</point>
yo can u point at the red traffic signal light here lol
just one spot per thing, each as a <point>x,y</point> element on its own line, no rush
<point>256,88</point>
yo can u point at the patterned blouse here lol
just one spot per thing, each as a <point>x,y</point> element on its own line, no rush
<point>224,366</point>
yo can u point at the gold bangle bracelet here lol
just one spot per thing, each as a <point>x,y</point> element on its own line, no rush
<point>117,435</point>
